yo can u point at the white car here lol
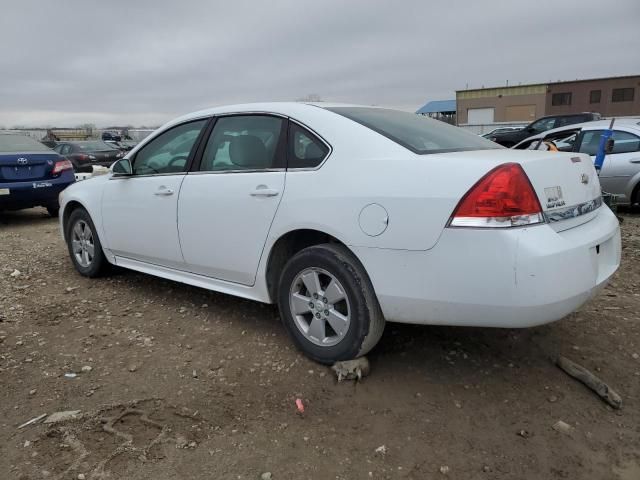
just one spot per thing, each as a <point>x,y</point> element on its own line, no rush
<point>620,173</point>
<point>347,217</point>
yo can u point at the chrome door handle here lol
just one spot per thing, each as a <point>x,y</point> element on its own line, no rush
<point>163,191</point>
<point>264,192</point>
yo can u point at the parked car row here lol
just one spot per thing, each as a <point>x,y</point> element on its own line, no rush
<point>510,138</point>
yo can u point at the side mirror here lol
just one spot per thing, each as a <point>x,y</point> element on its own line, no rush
<point>608,147</point>
<point>122,168</point>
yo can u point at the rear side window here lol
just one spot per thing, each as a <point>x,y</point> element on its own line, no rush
<point>10,143</point>
<point>305,149</point>
<point>624,142</point>
<point>243,142</point>
<point>417,133</point>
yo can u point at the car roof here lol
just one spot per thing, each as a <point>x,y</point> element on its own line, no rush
<point>594,125</point>
<point>283,108</point>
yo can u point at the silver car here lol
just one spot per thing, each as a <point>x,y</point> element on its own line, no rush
<point>620,174</point>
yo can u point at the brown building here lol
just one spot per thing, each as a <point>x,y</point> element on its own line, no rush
<point>615,96</point>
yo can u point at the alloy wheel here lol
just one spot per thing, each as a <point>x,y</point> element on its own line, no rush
<point>320,307</point>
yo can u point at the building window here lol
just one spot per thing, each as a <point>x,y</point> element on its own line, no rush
<point>622,95</point>
<point>594,96</point>
<point>561,99</point>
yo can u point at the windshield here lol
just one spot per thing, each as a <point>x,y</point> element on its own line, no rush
<point>418,133</point>
<point>10,143</point>
<point>94,146</point>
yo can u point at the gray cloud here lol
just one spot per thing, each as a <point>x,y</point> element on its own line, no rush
<point>64,63</point>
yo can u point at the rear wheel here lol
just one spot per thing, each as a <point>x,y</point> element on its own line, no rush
<point>84,245</point>
<point>328,305</point>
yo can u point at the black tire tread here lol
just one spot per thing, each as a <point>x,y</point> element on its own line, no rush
<point>376,322</point>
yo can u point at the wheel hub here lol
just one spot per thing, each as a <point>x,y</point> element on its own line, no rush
<point>320,307</point>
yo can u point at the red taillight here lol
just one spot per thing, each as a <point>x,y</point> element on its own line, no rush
<point>504,197</point>
<point>82,157</point>
<point>61,166</point>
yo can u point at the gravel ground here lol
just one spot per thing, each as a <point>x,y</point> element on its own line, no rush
<point>175,382</point>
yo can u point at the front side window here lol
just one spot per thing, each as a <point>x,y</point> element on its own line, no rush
<point>305,149</point>
<point>168,152</point>
<point>243,142</point>
<point>623,142</point>
<point>418,133</point>
<point>622,94</point>
<point>563,98</point>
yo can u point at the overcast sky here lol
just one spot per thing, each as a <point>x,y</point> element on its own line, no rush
<point>144,62</point>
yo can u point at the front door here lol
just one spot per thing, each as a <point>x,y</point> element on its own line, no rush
<point>140,211</point>
<point>226,207</point>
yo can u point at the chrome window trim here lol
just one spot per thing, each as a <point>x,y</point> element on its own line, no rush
<point>287,117</point>
<point>565,213</point>
<point>251,170</point>
<point>116,176</point>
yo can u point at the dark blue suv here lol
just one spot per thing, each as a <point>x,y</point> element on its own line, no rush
<point>31,174</point>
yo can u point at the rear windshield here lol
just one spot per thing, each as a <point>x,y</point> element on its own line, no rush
<point>94,146</point>
<point>418,133</point>
<point>10,143</point>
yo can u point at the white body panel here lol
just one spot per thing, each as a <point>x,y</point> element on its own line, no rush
<point>422,271</point>
<point>224,219</point>
<point>139,218</point>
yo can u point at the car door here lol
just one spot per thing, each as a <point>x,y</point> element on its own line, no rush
<point>619,165</point>
<point>139,211</point>
<point>228,202</point>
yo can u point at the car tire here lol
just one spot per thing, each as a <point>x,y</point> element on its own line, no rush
<point>53,210</point>
<point>352,322</point>
<point>82,239</point>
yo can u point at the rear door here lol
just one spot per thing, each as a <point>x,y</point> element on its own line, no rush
<point>227,204</point>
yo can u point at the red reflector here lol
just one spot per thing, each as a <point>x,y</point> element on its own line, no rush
<point>61,166</point>
<point>503,197</point>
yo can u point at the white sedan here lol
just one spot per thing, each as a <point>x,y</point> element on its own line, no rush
<point>347,217</point>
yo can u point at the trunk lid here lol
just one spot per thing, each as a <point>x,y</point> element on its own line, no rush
<point>21,167</point>
<point>567,186</point>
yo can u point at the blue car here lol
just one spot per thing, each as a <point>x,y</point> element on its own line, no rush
<point>31,174</point>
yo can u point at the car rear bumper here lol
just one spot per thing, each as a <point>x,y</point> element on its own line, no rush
<point>34,193</point>
<point>518,277</point>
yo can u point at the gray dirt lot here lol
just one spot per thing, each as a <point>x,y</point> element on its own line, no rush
<point>186,383</point>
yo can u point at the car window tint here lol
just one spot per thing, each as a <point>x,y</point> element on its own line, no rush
<point>305,149</point>
<point>420,134</point>
<point>168,153</point>
<point>243,142</point>
<point>624,142</point>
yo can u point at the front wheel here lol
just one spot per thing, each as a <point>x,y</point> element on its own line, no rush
<point>84,245</point>
<point>328,305</point>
